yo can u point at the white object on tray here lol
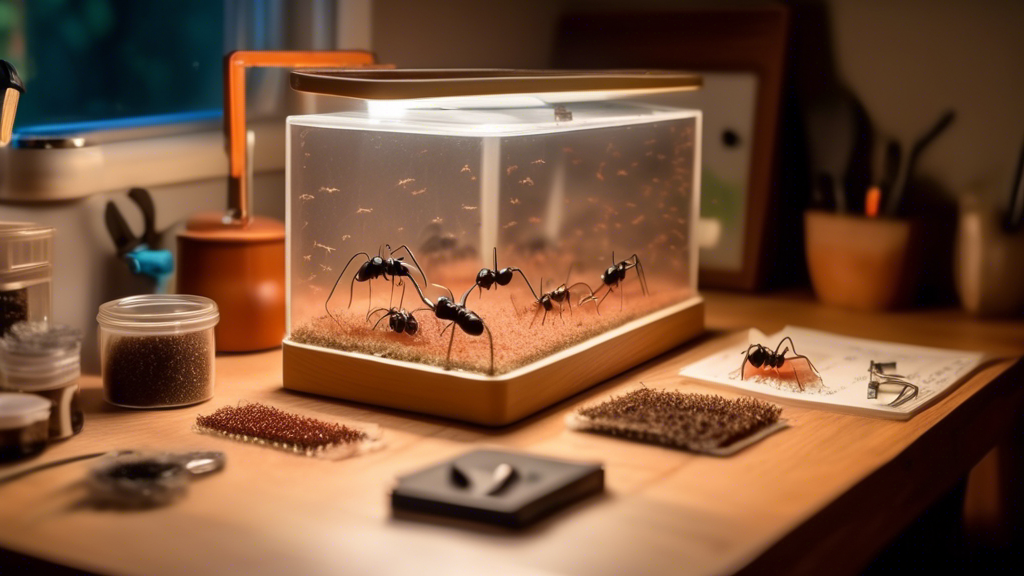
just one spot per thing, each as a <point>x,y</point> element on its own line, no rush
<point>843,365</point>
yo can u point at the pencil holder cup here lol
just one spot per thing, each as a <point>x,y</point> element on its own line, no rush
<point>858,262</point>
<point>989,276</point>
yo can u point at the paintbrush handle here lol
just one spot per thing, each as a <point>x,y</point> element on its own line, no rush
<point>893,205</point>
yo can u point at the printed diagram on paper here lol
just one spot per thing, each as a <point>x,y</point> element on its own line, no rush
<point>843,365</point>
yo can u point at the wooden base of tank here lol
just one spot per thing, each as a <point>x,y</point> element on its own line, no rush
<point>490,400</point>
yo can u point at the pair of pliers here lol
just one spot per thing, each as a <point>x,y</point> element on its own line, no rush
<point>139,252</point>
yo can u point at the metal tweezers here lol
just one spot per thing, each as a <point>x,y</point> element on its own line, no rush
<point>879,378</point>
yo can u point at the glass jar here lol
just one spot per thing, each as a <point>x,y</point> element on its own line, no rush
<point>157,350</point>
<point>24,424</point>
<point>25,273</point>
<point>42,359</point>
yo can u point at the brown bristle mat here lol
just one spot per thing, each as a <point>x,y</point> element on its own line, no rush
<point>704,423</point>
<point>265,425</point>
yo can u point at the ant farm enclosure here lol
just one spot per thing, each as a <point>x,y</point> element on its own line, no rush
<point>482,244</point>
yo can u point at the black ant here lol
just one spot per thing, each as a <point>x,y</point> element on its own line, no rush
<point>757,356</point>
<point>447,309</point>
<point>615,274</point>
<point>488,277</point>
<point>400,320</point>
<point>560,295</point>
<point>376,267</point>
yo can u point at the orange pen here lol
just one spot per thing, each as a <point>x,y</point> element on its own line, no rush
<point>872,201</point>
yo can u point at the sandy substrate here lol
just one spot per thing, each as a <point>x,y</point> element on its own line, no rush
<point>516,342</point>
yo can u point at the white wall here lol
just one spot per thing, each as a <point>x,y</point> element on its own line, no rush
<point>906,59</point>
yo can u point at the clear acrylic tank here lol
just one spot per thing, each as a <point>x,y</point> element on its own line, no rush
<point>398,209</point>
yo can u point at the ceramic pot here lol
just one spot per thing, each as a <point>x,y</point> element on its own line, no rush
<point>989,273</point>
<point>858,262</point>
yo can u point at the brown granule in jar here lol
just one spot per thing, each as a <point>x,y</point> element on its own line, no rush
<point>159,371</point>
<point>697,422</point>
<point>257,422</point>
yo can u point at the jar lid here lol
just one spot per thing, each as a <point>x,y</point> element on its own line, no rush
<point>21,410</point>
<point>36,356</point>
<point>159,314</point>
<point>24,245</point>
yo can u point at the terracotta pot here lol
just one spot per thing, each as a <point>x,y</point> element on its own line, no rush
<point>858,262</point>
<point>241,268</point>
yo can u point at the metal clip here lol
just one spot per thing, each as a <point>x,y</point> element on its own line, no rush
<point>879,378</point>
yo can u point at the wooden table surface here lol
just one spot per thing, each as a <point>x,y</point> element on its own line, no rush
<point>827,493</point>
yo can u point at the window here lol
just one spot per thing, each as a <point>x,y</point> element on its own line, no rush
<point>86,60</point>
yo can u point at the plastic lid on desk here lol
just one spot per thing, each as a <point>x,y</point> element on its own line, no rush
<point>20,410</point>
<point>157,314</point>
<point>24,245</point>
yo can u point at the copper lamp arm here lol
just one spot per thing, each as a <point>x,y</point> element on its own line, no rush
<point>235,64</point>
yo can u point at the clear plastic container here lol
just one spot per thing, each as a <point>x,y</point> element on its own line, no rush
<point>44,360</point>
<point>584,197</point>
<point>24,424</point>
<point>157,350</point>
<point>25,273</point>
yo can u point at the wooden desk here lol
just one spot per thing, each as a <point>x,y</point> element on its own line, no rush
<point>828,493</point>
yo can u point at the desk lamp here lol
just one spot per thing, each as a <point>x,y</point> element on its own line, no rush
<point>237,258</point>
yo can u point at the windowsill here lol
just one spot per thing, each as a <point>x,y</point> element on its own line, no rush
<point>148,157</point>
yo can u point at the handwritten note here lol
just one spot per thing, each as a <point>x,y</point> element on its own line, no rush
<point>842,363</point>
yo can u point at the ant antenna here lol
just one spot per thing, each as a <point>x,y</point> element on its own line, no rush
<point>446,288</point>
<point>419,291</point>
<point>495,258</point>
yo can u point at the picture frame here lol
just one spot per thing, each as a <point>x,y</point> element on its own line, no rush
<point>726,46</point>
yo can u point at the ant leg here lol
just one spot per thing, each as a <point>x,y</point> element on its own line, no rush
<point>601,301</point>
<point>792,346</point>
<point>374,311</point>
<point>413,257</point>
<point>445,329</point>
<point>448,359</point>
<point>641,275</point>
<point>560,313</point>
<point>746,357</point>
<point>795,375</point>
<point>798,382</point>
<point>528,285</point>
<point>382,319</point>
<point>335,287</point>
<point>369,286</point>
<point>491,339</point>
<point>537,311</point>
<point>544,317</point>
<point>808,360</point>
